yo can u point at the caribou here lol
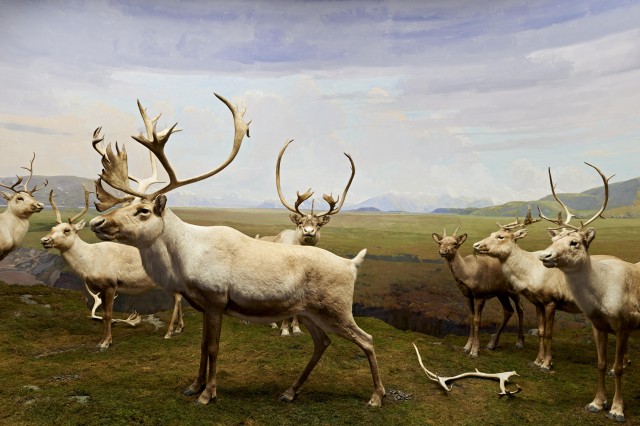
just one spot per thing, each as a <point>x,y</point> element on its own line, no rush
<point>479,279</point>
<point>545,288</point>
<point>307,231</point>
<point>220,270</point>
<point>104,267</point>
<point>607,290</point>
<point>21,204</point>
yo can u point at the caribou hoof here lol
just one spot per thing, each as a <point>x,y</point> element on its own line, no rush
<point>593,408</point>
<point>288,396</point>
<point>375,401</point>
<point>520,345</point>
<point>205,398</point>
<point>191,390</point>
<point>617,417</point>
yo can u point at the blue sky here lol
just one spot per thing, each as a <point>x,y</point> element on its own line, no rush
<point>461,98</point>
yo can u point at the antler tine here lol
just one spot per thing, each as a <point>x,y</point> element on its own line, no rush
<point>86,205</point>
<point>13,187</point>
<point>150,125</point>
<point>279,189</point>
<point>98,140</point>
<point>605,180</point>
<point>444,232</point>
<point>30,170</point>
<point>156,145</point>
<point>329,198</point>
<point>456,231</point>
<point>512,225</point>
<point>105,199</point>
<point>55,208</point>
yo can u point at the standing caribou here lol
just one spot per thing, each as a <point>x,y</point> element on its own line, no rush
<point>607,290</point>
<point>545,288</point>
<point>220,271</point>
<point>14,221</point>
<point>479,279</point>
<point>105,267</point>
<point>307,232</point>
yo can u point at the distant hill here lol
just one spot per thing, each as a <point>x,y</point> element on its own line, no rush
<point>624,201</point>
<point>419,203</point>
<point>67,189</point>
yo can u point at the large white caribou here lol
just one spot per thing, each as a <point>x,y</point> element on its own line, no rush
<point>222,271</point>
<point>607,290</point>
<point>21,204</point>
<point>307,231</point>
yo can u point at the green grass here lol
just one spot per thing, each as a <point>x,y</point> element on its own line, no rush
<point>140,379</point>
<point>53,374</point>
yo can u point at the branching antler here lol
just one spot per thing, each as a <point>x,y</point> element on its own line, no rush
<point>305,196</point>
<point>115,167</point>
<point>564,223</point>
<point>528,220</point>
<point>74,218</point>
<point>503,378</point>
<point>30,170</point>
<point>26,184</point>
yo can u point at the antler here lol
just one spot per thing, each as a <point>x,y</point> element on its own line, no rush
<point>502,377</point>
<point>26,184</point>
<point>115,167</point>
<point>71,219</point>
<point>329,198</point>
<point>13,187</point>
<point>564,223</point>
<point>55,208</point>
<point>528,220</point>
<point>301,197</point>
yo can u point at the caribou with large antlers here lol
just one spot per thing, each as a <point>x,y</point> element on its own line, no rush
<point>21,204</point>
<point>105,267</point>
<point>307,232</point>
<point>607,290</point>
<point>222,271</point>
<point>479,279</point>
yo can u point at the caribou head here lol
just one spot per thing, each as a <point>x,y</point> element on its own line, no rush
<point>21,202</point>
<point>308,224</point>
<point>448,245</point>
<point>140,223</point>
<point>63,235</point>
<point>570,243</point>
<point>501,242</point>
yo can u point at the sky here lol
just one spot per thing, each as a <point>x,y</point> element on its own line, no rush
<point>472,99</point>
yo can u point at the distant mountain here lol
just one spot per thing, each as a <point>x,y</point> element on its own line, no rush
<point>419,203</point>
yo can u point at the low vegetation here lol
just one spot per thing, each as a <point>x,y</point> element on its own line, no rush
<point>53,373</point>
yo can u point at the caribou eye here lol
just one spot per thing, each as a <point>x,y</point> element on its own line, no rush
<point>20,199</point>
<point>143,211</point>
<point>66,231</point>
<point>573,244</point>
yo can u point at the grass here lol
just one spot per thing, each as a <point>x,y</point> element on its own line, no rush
<point>53,374</point>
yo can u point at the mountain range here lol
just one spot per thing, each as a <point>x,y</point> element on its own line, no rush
<point>624,200</point>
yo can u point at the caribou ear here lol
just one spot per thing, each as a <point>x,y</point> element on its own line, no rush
<point>7,196</point>
<point>159,204</point>
<point>324,220</point>
<point>589,236</point>
<point>79,225</point>
<point>553,232</point>
<point>461,239</point>
<point>295,218</point>
<point>521,233</point>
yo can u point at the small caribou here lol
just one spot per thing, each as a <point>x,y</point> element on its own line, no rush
<point>307,232</point>
<point>14,221</point>
<point>219,270</point>
<point>105,267</point>
<point>606,290</point>
<point>479,278</point>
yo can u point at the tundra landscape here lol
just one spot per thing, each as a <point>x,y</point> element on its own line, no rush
<point>403,281</point>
